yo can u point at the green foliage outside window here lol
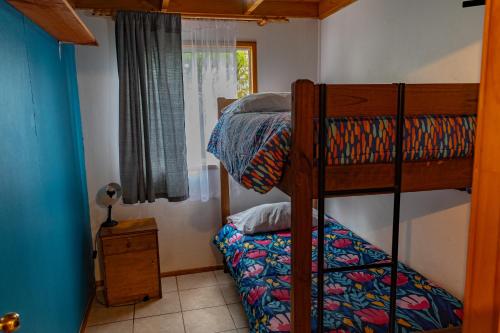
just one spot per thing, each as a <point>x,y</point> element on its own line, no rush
<point>243,75</point>
<point>242,67</point>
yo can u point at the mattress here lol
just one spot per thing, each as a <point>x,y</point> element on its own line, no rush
<point>254,147</point>
<point>355,301</point>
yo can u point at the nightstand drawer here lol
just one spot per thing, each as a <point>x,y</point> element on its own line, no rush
<point>132,276</point>
<point>129,244</point>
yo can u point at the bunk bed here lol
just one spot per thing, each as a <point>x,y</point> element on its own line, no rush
<point>311,169</point>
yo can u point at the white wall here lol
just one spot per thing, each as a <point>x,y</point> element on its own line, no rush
<point>286,52</point>
<point>387,41</point>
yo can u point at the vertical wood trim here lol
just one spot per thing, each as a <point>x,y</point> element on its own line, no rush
<point>303,105</point>
<point>254,72</point>
<point>482,301</point>
<point>225,200</point>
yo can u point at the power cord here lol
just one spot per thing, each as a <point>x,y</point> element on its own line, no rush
<point>94,252</point>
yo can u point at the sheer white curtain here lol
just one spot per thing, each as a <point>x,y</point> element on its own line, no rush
<point>209,60</point>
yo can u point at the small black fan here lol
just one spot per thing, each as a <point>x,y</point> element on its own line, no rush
<point>106,198</point>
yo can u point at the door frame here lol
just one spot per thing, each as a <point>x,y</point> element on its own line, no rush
<point>482,292</point>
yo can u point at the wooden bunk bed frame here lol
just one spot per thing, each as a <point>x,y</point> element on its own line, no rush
<point>304,182</point>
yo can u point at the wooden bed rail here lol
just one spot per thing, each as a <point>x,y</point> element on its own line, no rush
<point>441,99</point>
<point>417,176</point>
<point>361,100</point>
<point>371,100</point>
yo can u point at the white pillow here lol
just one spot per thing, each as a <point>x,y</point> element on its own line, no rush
<point>262,102</point>
<point>266,218</point>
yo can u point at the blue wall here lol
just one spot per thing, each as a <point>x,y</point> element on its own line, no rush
<point>45,242</point>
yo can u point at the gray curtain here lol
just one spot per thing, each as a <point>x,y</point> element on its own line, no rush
<point>152,130</point>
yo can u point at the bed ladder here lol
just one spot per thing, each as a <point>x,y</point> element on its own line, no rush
<point>322,194</point>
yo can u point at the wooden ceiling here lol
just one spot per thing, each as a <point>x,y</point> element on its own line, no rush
<point>58,17</point>
<point>232,9</point>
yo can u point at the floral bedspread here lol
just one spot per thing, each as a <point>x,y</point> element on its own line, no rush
<point>354,301</point>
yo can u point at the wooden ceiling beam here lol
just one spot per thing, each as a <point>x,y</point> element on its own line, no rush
<point>165,4</point>
<point>289,9</point>
<point>329,7</point>
<point>231,7</point>
<point>251,6</point>
<point>206,7</point>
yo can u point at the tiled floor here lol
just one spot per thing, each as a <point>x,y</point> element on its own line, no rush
<point>196,303</point>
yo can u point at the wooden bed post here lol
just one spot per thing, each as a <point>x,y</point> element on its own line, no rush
<point>303,106</point>
<point>224,177</point>
<point>482,301</point>
<point>225,200</point>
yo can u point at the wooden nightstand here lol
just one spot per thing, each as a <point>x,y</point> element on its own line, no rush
<point>130,262</point>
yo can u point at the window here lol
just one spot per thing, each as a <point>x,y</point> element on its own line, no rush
<point>246,59</point>
<point>210,73</point>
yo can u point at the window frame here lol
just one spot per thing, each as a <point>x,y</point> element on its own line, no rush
<point>251,46</point>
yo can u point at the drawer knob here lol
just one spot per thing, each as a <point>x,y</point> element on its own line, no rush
<point>129,244</point>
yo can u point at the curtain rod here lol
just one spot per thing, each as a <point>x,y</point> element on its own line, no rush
<point>260,20</point>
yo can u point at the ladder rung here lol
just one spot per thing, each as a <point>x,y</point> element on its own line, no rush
<point>366,191</point>
<point>357,268</point>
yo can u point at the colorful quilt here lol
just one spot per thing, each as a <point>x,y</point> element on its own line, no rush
<point>350,140</point>
<point>354,301</point>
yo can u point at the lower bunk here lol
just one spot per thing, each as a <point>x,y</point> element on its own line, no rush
<point>356,301</point>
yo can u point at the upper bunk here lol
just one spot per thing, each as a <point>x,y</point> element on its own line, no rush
<point>438,139</point>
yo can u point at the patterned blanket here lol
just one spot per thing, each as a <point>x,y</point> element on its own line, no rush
<point>354,301</point>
